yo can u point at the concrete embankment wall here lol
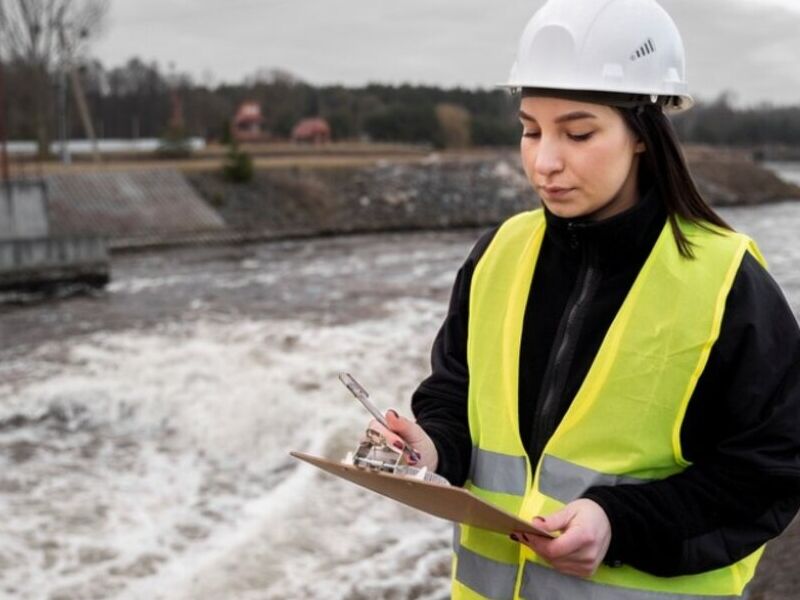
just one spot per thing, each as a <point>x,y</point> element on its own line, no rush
<point>128,206</point>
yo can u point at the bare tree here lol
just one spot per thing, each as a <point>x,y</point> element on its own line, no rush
<point>39,34</point>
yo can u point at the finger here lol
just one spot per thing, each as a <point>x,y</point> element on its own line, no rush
<point>532,544</point>
<point>530,535</point>
<point>392,415</point>
<point>399,424</point>
<point>412,433</point>
<point>391,437</point>
<point>537,543</point>
<point>564,546</point>
<point>557,521</point>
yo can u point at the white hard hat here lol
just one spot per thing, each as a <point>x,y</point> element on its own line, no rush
<point>620,46</point>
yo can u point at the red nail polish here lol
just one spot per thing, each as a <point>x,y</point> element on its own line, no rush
<point>398,445</point>
<point>514,537</point>
<point>394,412</point>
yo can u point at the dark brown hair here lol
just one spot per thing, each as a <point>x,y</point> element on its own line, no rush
<point>663,165</point>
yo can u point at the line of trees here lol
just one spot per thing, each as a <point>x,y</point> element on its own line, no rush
<point>38,39</point>
<point>133,101</point>
<point>718,123</point>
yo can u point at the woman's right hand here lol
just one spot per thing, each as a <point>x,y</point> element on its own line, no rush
<point>404,431</point>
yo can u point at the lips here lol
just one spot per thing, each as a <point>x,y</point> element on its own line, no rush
<point>556,189</point>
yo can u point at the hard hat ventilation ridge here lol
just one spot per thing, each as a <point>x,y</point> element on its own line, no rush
<point>647,48</point>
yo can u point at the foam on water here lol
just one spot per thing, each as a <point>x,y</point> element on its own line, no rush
<point>788,171</point>
<point>151,462</point>
<point>154,464</point>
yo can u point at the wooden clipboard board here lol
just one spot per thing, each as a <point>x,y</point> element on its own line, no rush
<point>446,502</point>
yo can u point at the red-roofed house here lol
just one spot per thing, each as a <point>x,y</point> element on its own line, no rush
<point>247,124</point>
<point>312,130</point>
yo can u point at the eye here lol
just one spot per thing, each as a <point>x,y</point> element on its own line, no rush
<point>581,138</point>
<point>531,134</point>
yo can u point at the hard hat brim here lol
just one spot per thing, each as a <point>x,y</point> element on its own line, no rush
<point>618,98</point>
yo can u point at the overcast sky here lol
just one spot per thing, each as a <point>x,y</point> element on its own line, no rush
<point>748,46</point>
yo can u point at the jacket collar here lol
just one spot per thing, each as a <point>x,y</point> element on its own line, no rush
<point>623,240</point>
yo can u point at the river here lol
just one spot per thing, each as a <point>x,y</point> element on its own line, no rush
<point>144,430</point>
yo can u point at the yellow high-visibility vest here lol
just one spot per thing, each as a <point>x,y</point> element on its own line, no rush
<point>623,425</point>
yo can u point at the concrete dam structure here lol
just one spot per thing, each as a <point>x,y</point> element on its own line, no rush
<point>60,229</point>
<point>31,257</point>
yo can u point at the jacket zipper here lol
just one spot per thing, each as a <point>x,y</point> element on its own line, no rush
<point>563,351</point>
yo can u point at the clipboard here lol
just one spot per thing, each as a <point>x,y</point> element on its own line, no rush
<point>446,502</point>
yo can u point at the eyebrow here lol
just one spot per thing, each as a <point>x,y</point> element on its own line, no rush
<point>573,116</point>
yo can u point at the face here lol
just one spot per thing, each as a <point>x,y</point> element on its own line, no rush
<point>581,158</point>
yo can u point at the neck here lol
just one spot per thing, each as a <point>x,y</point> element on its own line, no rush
<point>614,241</point>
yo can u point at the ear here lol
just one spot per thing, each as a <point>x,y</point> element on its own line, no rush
<point>640,148</point>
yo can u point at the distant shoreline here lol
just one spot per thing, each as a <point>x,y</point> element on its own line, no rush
<point>146,204</point>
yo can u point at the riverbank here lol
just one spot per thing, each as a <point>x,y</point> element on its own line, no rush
<point>729,177</point>
<point>448,190</point>
<point>157,204</point>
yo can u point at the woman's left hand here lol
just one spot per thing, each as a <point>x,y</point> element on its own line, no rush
<point>583,543</point>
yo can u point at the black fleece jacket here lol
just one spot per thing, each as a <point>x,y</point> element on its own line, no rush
<point>741,431</point>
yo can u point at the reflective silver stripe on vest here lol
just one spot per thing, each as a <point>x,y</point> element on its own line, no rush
<point>490,578</point>
<point>541,583</point>
<point>497,472</point>
<point>566,481</point>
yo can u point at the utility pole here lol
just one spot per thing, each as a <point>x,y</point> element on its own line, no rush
<point>3,151</point>
<point>83,110</point>
<point>63,127</point>
<point>77,88</point>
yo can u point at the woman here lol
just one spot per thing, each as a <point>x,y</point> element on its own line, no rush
<point>619,365</point>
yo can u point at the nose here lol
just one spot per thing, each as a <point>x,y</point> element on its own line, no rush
<point>548,159</point>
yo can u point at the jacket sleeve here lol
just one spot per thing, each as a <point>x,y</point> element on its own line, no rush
<point>742,435</point>
<point>440,402</point>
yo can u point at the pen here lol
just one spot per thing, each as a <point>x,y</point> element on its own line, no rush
<point>363,396</point>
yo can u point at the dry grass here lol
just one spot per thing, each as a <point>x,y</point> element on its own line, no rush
<point>203,164</point>
<point>331,156</point>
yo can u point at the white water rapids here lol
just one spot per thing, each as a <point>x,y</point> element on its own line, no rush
<point>144,432</point>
